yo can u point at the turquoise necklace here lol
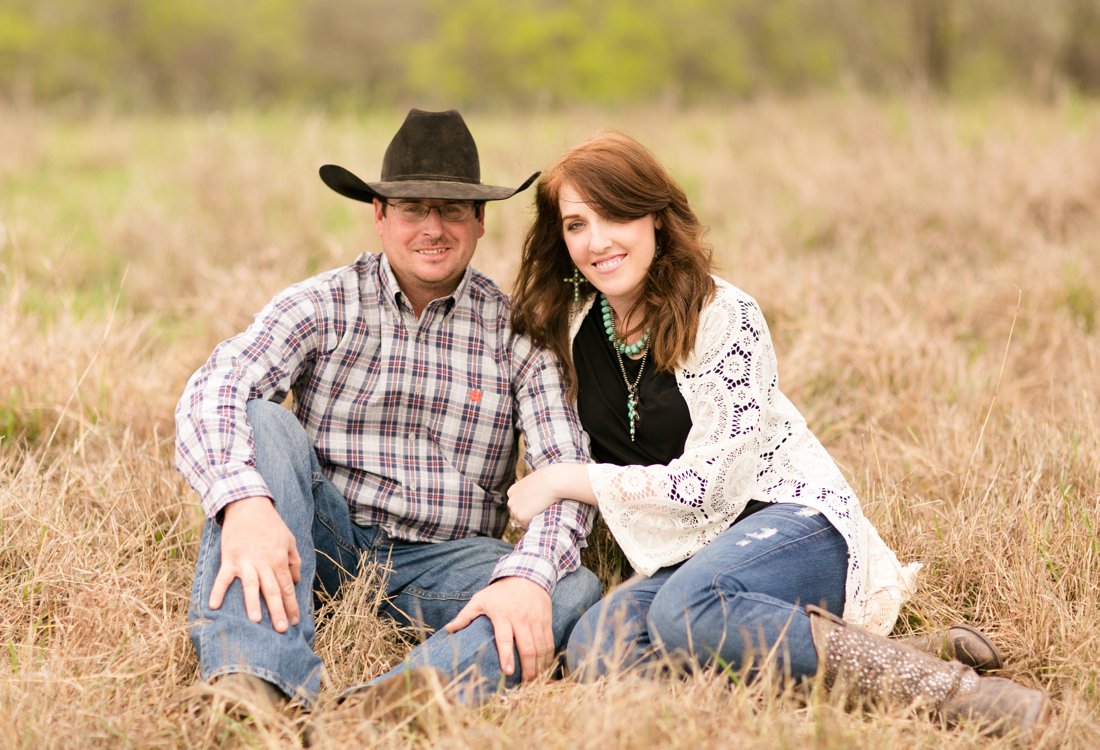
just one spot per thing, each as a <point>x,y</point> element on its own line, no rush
<point>641,345</point>
<point>609,325</point>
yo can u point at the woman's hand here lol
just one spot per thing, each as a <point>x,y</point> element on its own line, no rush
<point>542,488</point>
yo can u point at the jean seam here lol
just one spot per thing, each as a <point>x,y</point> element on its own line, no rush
<point>328,523</point>
<point>203,624</point>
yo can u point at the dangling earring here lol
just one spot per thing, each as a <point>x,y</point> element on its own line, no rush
<point>660,242</point>
<point>576,280</point>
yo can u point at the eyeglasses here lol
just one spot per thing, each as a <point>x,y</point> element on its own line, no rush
<point>417,212</point>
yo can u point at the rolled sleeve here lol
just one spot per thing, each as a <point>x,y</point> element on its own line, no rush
<point>527,565</point>
<point>552,434</point>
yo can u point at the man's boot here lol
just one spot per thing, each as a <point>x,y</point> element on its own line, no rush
<point>960,643</point>
<point>401,695</point>
<point>874,669</point>
<point>243,695</point>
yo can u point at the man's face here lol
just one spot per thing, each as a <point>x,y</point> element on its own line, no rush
<point>428,255</point>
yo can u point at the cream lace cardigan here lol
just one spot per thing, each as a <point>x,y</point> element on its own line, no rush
<point>747,441</point>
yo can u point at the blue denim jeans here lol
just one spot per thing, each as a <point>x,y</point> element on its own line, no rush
<point>428,585</point>
<point>733,605</point>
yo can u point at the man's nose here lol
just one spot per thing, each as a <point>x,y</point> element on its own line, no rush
<point>432,223</point>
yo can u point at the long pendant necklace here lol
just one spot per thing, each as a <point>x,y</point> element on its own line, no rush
<point>641,345</point>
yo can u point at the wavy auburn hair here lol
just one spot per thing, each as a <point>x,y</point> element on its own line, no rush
<point>621,180</point>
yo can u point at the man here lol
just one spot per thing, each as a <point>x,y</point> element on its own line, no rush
<point>409,392</point>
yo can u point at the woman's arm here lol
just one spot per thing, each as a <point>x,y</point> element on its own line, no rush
<point>542,488</point>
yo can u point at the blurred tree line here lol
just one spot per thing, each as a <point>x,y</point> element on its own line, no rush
<point>223,53</point>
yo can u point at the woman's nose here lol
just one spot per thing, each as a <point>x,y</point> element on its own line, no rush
<point>599,238</point>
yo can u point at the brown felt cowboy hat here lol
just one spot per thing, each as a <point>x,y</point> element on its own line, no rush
<point>433,156</point>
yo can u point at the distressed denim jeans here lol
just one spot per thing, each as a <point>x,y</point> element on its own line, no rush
<point>733,605</point>
<point>427,586</point>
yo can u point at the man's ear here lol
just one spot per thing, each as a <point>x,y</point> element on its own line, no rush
<point>379,214</point>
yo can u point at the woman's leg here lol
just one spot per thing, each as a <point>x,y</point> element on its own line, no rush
<point>738,602</point>
<point>431,582</point>
<point>612,635</point>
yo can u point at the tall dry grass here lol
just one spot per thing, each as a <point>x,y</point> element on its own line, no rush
<point>929,272</point>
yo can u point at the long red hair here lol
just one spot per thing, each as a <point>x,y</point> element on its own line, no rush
<point>620,179</point>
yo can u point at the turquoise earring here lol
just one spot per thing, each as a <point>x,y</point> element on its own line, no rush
<point>576,280</point>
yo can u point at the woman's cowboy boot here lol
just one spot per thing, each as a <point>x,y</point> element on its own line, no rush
<point>877,670</point>
<point>961,643</point>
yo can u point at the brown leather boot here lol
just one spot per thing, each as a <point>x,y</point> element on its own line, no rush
<point>873,669</point>
<point>961,643</point>
<point>245,695</point>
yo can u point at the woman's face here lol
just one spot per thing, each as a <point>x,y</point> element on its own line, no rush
<point>614,256</point>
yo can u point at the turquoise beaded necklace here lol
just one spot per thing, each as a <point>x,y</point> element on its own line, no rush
<point>609,325</point>
<point>641,345</point>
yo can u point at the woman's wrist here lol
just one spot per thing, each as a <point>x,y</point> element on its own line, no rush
<point>570,481</point>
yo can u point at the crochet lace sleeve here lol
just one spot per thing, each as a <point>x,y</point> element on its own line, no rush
<point>661,515</point>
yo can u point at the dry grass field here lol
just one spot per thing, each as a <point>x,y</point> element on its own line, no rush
<point>930,273</point>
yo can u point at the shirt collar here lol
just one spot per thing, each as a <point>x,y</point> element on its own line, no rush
<point>392,290</point>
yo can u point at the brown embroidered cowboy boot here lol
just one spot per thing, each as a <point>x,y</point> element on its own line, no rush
<point>874,669</point>
<point>960,643</point>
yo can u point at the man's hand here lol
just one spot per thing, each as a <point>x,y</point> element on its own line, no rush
<point>258,548</point>
<point>520,612</point>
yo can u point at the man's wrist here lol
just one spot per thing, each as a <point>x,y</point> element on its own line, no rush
<point>241,504</point>
<point>528,566</point>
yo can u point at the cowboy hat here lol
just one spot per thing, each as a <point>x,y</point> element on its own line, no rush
<point>432,156</point>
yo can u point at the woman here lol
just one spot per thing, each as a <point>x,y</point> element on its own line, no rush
<point>749,539</point>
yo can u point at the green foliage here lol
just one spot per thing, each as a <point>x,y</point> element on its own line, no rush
<point>1079,300</point>
<point>203,53</point>
<point>20,422</point>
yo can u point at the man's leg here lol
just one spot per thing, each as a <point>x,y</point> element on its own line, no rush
<point>225,640</point>
<point>432,582</point>
<point>738,602</point>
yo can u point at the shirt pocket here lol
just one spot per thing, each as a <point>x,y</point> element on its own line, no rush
<point>474,429</point>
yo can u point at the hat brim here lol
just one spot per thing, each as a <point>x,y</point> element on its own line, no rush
<point>348,185</point>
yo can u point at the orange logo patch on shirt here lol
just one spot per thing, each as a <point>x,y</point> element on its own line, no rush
<point>475,396</point>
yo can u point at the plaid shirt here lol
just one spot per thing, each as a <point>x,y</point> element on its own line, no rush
<point>414,420</point>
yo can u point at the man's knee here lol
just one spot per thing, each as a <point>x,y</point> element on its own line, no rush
<point>574,595</point>
<point>274,427</point>
<point>268,416</point>
<point>576,592</point>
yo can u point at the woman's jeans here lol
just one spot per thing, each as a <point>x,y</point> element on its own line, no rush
<point>735,605</point>
<point>428,582</point>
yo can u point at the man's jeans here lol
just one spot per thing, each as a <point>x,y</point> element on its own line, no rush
<point>427,586</point>
<point>733,605</point>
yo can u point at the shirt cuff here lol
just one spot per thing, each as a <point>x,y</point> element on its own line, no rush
<point>528,566</point>
<point>232,486</point>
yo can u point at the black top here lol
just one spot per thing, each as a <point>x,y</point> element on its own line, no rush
<point>663,422</point>
<point>662,425</point>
